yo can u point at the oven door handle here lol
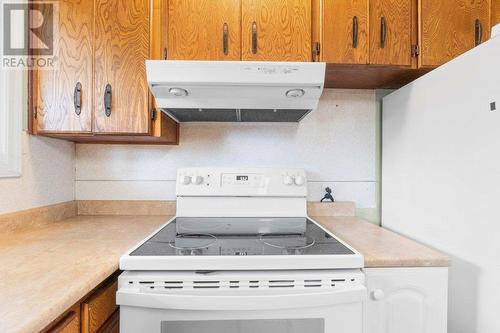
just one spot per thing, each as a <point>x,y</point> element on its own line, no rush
<point>240,300</point>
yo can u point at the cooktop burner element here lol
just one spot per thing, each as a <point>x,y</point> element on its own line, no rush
<point>192,244</point>
<point>283,242</point>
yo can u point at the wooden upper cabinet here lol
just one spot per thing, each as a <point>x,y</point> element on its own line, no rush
<point>449,28</point>
<point>204,29</point>
<point>122,44</point>
<point>278,30</point>
<point>391,32</point>
<point>495,12</point>
<point>62,97</point>
<point>345,31</point>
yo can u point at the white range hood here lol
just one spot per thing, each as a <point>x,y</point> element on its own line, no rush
<point>239,91</point>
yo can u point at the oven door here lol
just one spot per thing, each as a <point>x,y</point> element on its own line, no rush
<point>239,311</point>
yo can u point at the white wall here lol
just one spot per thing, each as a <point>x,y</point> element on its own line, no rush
<point>336,144</point>
<point>48,175</point>
<point>441,177</point>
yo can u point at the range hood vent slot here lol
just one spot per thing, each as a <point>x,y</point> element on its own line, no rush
<point>237,115</point>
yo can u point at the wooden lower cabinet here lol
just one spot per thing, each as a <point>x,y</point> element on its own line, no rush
<point>112,325</point>
<point>99,307</point>
<point>68,323</point>
<point>95,313</point>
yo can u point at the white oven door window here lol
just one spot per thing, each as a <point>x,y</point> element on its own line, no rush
<point>262,311</point>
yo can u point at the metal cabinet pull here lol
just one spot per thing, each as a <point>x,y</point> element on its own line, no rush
<point>383,31</point>
<point>107,100</point>
<point>254,37</point>
<point>225,38</point>
<point>355,32</point>
<point>77,98</point>
<point>478,32</point>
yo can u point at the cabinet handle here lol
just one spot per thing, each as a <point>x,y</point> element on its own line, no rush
<point>478,32</point>
<point>378,294</point>
<point>355,32</point>
<point>225,38</point>
<point>165,53</point>
<point>77,98</point>
<point>254,37</point>
<point>383,31</point>
<point>107,100</point>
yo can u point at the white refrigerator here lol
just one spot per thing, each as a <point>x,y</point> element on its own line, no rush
<point>441,177</point>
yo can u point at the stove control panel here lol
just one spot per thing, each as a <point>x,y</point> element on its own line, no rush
<point>241,182</point>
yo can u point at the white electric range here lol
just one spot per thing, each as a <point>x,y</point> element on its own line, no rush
<point>242,256</point>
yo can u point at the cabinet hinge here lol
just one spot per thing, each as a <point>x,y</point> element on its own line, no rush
<point>316,51</point>
<point>415,50</point>
<point>35,112</point>
<point>153,114</point>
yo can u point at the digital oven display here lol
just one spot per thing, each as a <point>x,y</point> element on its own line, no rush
<point>242,178</point>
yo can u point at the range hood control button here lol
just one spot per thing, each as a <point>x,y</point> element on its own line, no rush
<point>179,92</point>
<point>294,93</point>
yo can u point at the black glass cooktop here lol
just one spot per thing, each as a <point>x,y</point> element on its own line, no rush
<point>241,236</point>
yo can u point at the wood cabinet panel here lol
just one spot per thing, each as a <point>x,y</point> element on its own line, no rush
<point>345,31</point>
<point>68,323</point>
<point>447,28</point>
<point>197,29</point>
<point>390,32</point>
<point>99,308</point>
<point>53,89</point>
<point>122,44</point>
<point>282,30</point>
<point>495,12</point>
<point>112,325</point>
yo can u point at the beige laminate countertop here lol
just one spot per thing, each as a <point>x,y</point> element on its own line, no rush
<point>381,247</point>
<point>47,269</point>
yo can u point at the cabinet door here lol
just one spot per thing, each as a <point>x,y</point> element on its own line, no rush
<point>410,300</point>
<point>278,30</point>
<point>54,90</point>
<point>495,12</point>
<point>69,323</point>
<point>345,31</point>
<point>204,30</point>
<point>99,308</point>
<point>122,44</point>
<point>448,28</point>
<point>390,32</point>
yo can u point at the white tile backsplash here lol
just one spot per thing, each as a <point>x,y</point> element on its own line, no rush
<point>336,144</point>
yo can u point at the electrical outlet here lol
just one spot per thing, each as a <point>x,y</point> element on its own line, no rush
<point>493,106</point>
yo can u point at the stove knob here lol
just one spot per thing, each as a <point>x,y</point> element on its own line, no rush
<point>299,180</point>
<point>198,180</point>
<point>186,180</point>
<point>288,180</point>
